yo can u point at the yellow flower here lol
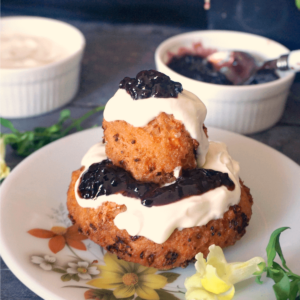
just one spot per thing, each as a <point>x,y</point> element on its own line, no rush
<point>4,169</point>
<point>215,278</point>
<point>128,278</point>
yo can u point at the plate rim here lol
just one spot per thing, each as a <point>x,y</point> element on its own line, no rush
<point>12,263</point>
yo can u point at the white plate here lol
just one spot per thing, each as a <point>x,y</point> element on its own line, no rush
<point>34,196</point>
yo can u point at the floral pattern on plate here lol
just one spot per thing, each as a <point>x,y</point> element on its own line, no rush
<point>110,280</point>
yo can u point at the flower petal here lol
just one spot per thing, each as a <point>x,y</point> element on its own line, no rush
<point>72,271</point>
<point>115,277</point>
<point>59,230</point>
<point>85,276</point>
<point>142,270</point>
<point>241,271</point>
<point>153,281</point>
<point>124,291</point>
<point>105,283</point>
<point>89,294</point>
<point>57,243</point>
<point>146,293</point>
<point>73,233</point>
<point>199,294</point>
<point>216,252</point>
<point>72,265</point>
<point>200,264</point>
<point>37,259</point>
<point>217,259</point>
<point>93,271</point>
<point>4,169</point>
<point>114,264</point>
<point>193,281</point>
<point>76,244</point>
<point>213,283</point>
<point>83,264</point>
<point>45,266</point>
<point>50,259</point>
<point>41,233</point>
<point>227,295</point>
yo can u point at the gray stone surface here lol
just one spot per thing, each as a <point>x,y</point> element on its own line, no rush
<point>115,51</point>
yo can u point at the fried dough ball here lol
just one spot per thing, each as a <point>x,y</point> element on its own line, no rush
<point>151,153</point>
<point>181,247</point>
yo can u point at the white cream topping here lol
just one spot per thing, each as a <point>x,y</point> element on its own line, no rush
<point>20,50</point>
<point>187,108</point>
<point>158,222</point>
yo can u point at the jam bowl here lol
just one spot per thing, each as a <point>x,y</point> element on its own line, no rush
<point>240,108</point>
<point>40,65</point>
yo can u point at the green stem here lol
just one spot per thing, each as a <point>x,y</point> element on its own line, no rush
<point>74,252</point>
<point>293,274</point>
<point>85,116</point>
<point>173,291</point>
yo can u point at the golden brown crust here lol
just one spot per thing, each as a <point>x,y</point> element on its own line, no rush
<point>150,153</point>
<point>177,251</point>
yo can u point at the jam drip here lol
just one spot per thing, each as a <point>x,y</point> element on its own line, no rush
<point>105,179</point>
<point>150,84</point>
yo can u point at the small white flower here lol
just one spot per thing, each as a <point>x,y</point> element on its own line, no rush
<point>45,263</point>
<point>83,270</point>
<point>4,169</point>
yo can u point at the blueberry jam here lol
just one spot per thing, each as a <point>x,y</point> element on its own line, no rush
<point>105,179</point>
<point>197,67</point>
<point>150,84</point>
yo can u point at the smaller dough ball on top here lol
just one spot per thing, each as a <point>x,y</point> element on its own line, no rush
<point>156,151</point>
<point>150,153</point>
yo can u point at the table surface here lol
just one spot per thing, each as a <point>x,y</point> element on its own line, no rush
<point>113,52</point>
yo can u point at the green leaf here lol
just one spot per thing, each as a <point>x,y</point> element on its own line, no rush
<point>75,277</point>
<point>297,2</point>
<point>66,277</point>
<point>58,270</point>
<point>287,284</point>
<point>276,275</point>
<point>64,115</point>
<point>171,276</point>
<point>104,294</point>
<point>262,269</point>
<point>165,295</point>
<point>258,280</point>
<point>25,143</point>
<point>278,267</point>
<point>8,125</point>
<point>274,247</point>
<point>282,288</point>
<point>76,123</point>
<point>295,289</point>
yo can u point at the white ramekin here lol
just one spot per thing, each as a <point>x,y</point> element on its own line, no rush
<point>29,92</point>
<point>243,109</point>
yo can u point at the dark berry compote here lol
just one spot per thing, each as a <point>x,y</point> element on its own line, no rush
<point>150,83</point>
<point>197,67</point>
